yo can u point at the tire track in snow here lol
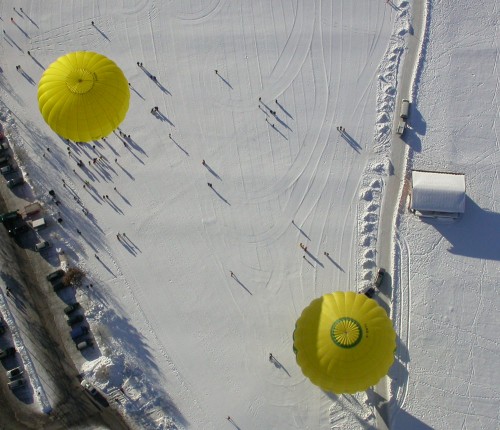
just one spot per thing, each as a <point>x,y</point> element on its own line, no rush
<point>198,17</point>
<point>296,48</point>
<point>400,314</point>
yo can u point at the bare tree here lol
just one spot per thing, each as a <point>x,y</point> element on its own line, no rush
<point>73,277</point>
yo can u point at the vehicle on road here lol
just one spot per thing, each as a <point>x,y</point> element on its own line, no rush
<point>401,128</point>
<point>2,326</point>
<point>4,353</point>
<point>59,285</point>
<point>17,383</point>
<point>380,277</point>
<point>79,332</point>
<point>55,275</point>
<point>84,344</point>
<point>4,159</point>
<point>405,108</point>
<point>41,245</point>
<point>71,308</point>
<point>89,387</point>
<point>75,319</point>
<point>14,182</point>
<point>14,373</point>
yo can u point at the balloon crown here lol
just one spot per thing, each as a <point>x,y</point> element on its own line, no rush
<point>80,81</point>
<point>346,332</point>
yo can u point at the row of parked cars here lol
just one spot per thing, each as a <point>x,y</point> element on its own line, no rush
<point>15,225</point>
<point>78,332</point>
<point>15,374</point>
<point>6,167</point>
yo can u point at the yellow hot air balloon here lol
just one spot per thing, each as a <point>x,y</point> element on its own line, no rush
<point>83,96</point>
<point>344,342</point>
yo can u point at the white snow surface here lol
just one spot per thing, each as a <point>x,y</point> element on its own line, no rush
<point>447,291</point>
<point>187,343</point>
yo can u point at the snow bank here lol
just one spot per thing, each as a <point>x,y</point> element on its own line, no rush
<point>376,172</point>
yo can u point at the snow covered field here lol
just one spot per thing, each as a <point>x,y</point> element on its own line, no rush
<point>187,342</point>
<point>449,278</point>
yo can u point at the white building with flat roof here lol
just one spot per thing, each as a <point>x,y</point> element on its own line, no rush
<point>436,194</point>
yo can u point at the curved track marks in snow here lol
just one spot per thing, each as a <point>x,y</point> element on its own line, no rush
<point>211,331</point>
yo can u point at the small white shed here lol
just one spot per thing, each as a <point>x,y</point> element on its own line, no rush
<point>436,194</point>
<point>39,223</point>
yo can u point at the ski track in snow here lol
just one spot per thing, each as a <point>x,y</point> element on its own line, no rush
<point>307,74</point>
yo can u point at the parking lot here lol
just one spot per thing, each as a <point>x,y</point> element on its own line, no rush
<point>36,326</point>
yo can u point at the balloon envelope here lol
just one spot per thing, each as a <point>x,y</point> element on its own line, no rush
<point>83,96</point>
<point>344,342</point>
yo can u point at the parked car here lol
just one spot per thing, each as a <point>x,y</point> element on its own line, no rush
<point>14,373</point>
<point>41,245</point>
<point>16,383</point>
<point>2,326</point>
<point>75,319</point>
<point>79,332</point>
<point>20,229</point>
<point>55,275</point>
<point>368,291</point>
<point>4,159</point>
<point>71,308</point>
<point>59,285</point>
<point>14,182</point>
<point>380,277</point>
<point>4,353</point>
<point>84,344</point>
<point>89,387</point>
<point>9,216</point>
<point>5,170</point>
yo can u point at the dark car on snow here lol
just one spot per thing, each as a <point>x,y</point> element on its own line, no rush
<point>79,332</point>
<point>75,319</point>
<point>71,308</point>
<point>14,182</point>
<point>55,275</point>
<point>4,353</point>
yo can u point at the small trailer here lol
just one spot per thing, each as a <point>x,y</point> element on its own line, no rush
<point>38,223</point>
